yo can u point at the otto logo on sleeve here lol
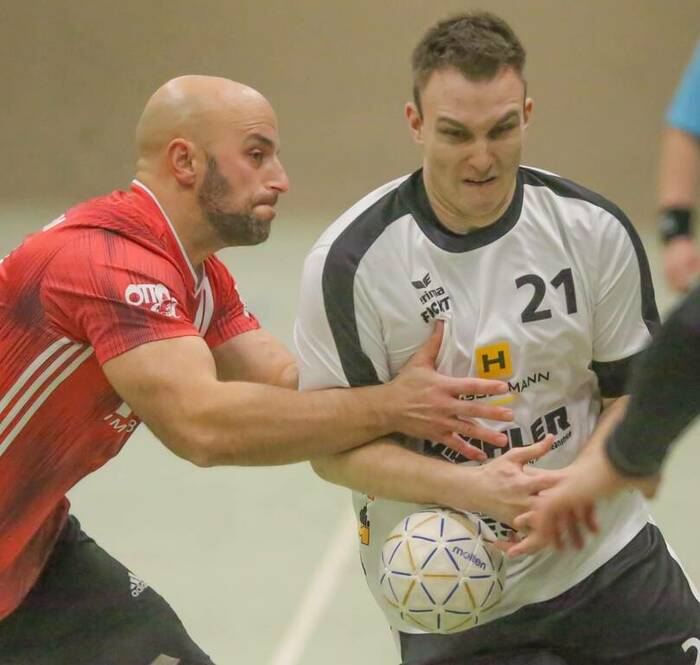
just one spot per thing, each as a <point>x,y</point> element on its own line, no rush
<point>155,296</point>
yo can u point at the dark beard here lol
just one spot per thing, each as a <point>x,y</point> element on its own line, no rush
<point>233,228</point>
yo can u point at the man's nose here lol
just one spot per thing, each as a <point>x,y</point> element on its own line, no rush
<point>481,158</point>
<point>280,180</point>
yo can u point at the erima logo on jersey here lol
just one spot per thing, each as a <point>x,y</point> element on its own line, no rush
<point>435,299</point>
<point>422,283</point>
<point>156,296</point>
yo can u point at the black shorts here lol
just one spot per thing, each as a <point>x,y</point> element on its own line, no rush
<point>88,609</point>
<point>637,609</point>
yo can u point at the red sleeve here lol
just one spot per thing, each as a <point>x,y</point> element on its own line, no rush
<point>115,294</point>
<point>231,316</point>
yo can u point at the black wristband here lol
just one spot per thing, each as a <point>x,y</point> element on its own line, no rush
<point>675,223</point>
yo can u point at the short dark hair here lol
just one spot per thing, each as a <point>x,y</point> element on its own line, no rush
<point>477,43</point>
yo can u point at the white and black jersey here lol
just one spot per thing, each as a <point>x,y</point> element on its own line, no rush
<point>555,298</point>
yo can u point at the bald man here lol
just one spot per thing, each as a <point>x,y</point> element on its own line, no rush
<point>119,312</point>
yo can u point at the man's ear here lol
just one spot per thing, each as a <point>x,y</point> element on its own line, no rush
<point>415,121</point>
<point>182,161</point>
<point>527,111</point>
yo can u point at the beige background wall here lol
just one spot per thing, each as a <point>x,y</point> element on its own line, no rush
<point>75,75</point>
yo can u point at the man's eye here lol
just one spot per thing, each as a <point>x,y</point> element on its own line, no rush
<point>500,131</point>
<point>257,156</point>
<point>454,133</point>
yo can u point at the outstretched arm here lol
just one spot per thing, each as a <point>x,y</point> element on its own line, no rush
<point>665,399</point>
<point>559,511</point>
<point>173,386</point>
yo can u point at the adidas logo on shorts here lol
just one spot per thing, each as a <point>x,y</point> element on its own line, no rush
<point>137,585</point>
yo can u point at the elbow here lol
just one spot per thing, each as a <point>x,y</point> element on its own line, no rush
<point>191,445</point>
<point>289,377</point>
<point>322,468</point>
<point>198,444</point>
<point>202,457</point>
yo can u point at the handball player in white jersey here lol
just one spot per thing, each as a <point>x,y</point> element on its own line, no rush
<point>541,283</point>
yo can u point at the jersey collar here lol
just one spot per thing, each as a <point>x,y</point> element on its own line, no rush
<point>419,205</point>
<point>139,186</point>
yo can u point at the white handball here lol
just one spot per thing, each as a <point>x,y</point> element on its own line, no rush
<point>439,570</point>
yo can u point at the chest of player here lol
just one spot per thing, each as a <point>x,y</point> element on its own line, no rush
<point>519,310</point>
<point>515,307</point>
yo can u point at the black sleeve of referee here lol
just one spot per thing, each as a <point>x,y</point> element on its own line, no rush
<point>664,394</point>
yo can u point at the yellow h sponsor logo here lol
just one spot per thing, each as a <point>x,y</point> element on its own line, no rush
<point>493,361</point>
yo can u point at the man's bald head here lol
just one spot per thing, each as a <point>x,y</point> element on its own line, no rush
<point>209,147</point>
<point>197,109</point>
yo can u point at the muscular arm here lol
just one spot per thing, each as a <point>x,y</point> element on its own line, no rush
<point>665,394</point>
<point>172,385</point>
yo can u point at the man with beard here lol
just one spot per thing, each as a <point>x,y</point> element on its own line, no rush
<point>119,312</point>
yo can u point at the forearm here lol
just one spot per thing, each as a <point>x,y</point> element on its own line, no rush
<point>678,169</point>
<point>500,489</point>
<point>665,394</point>
<point>253,424</point>
<point>387,469</point>
<point>211,421</point>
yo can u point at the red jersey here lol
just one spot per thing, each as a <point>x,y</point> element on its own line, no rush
<point>107,276</point>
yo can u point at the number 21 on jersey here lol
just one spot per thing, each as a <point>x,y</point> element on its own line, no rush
<point>563,278</point>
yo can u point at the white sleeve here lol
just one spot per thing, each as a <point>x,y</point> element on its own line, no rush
<point>337,333</point>
<point>625,309</point>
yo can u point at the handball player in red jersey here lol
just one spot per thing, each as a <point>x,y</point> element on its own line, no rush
<point>119,312</point>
